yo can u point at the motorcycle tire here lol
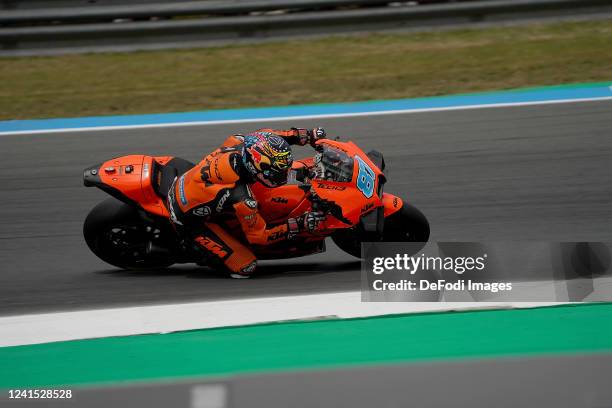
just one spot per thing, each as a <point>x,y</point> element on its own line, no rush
<point>408,224</point>
<point>116,233</point>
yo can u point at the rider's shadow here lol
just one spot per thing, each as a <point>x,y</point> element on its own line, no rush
<point>276,269</point>
<point>264,271</point>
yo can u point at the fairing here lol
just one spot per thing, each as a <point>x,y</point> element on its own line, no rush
<point>347,185</point>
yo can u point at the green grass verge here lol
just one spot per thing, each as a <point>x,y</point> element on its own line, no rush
<point>311,345</point>
<point>335,69</point>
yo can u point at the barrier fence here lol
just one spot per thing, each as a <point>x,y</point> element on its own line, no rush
<point>81,26</point>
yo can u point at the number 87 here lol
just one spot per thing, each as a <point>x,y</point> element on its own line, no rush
<point>365,178</point>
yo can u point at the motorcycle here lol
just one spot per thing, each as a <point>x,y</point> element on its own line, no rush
<point>133,230</point>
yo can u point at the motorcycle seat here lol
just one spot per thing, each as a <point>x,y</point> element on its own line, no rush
<point>167,173</point>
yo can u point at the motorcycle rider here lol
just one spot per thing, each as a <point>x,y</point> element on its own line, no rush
<point>217,191</point>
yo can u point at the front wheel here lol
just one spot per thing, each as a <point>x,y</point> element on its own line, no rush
<point>115,233</point>
<point>408,224</point>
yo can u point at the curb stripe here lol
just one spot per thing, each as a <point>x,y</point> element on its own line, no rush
<point>127,321</point>
<point>568,329</point>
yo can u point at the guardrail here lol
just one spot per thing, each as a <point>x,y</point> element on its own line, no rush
<point>37,4</point>
<point>116,27</point>
<point>49,4</point>
<point>176,9</point>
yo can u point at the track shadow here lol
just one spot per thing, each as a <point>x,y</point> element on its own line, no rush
<point>192,271</point>
<point>268,271</point>
<point>264,271</point>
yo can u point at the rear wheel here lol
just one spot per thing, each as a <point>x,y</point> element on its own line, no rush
<point>408,224</point>
<point>115,233</point>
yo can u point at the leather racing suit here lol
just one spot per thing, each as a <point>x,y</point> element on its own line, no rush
<point>217,189</point>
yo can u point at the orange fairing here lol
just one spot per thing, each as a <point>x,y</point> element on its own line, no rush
<point>392,204</point>
<point>344,183</point>
<point>278,204</point>
<point>132,176</point>
<point>353,201</point>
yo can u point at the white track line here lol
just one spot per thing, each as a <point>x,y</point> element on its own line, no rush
<point>304,117</point>
<point>50,327</point>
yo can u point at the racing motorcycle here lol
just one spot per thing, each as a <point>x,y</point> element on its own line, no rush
<point>133,230</point>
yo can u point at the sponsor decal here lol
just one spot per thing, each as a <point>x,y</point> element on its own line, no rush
<point>251,203</point>
<point>365,178</point>
<point>216,169</point>
<point>222,201</point>
<point>182,196</point>
<point>280,200</point>
<point>395,202</point>
<point>202,211</point>
<point>330,187</point>
<point>251,219</point>
<point>214,247</point>
<point>145,170</point>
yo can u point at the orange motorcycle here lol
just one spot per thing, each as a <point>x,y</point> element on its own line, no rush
<point>133,229</point>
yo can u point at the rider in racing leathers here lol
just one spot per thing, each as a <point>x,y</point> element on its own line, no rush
<point>218,188</point>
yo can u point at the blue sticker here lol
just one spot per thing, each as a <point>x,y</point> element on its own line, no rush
<point>182,190</point>
<point>365,178</point>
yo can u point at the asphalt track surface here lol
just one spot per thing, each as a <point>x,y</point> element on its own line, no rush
<point>557,381</point>
<point>516,173</point>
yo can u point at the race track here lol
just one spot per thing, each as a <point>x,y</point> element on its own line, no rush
<point>521,173</point>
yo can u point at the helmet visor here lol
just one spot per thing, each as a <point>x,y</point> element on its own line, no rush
<point>273,176</point>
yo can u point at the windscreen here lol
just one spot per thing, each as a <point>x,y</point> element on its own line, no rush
<point>334,165</point>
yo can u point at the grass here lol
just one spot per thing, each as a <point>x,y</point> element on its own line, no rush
<point>334,69</point>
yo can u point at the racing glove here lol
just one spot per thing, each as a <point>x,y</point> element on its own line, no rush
<point>310,135</point>
<point>309,221</point>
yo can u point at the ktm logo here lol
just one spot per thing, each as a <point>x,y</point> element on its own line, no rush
<point>330,187</point>
<point>212,246</point>
<point>280,200</point>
